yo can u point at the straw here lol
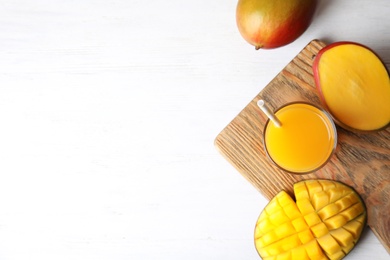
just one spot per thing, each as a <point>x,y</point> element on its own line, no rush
<point>269,113</point>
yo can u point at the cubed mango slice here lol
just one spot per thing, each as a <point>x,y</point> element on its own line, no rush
<point>324,222</point>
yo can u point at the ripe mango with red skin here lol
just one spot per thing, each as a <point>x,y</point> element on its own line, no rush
<point>270,24</point>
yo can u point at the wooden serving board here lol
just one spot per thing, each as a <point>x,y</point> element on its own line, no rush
<point>360,160</point>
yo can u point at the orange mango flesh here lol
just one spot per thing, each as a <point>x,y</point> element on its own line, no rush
<point>355,86</point>
<point>325,222</point>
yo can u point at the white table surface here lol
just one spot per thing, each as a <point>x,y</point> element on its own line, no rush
<point>109,111</point>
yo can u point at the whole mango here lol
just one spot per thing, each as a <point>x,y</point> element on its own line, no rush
<point>270,24</point>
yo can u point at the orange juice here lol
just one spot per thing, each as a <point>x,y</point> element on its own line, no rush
<point>304,142</point>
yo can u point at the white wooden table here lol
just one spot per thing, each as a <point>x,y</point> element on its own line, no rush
<point>109,110</point>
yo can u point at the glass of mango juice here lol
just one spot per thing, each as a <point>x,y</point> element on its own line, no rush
<point>302,139</point>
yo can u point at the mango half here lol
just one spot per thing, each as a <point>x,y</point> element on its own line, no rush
<point>354,85</point>
<point>325,222</point>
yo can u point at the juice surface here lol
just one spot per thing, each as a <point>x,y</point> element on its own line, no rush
<point>305,140</point>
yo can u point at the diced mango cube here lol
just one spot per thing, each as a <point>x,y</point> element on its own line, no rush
<point>335,194</point>
<point>261,250</point>
<point>262,216</point>
<point>290,242</point>
<point>279,217</point>
<point>258,233</point>
<point>329,211</point>
<point>320,200</point>
<point>304,206</point>
<point>268,238</point>
<point>313,186</point>
<point>344,202</point>
<point>284,199</point>
<point>260,243</point>
<point>319,230</point>
<point>327,185</point>
<point>346,249</point>
<point>362,218</point>
<point>344,188</point>
<point>285,230</point>
<point>342,236</point>
<point>335,222</point>
<point>300,191</point>
<point>337,256</point>
<point>299,224</point>
<point>264,227</point>
<point>354,198</point>
<point>353,211</point>
<point>273,206</point>
<point>283,245</point>
<point>354,227</point>
<point>299,253</point>
<point>314,251</point>
<point>284,256</point>
<point>312,219</point>
<point>306,236</point>
<point>292,211</point>
<point>329,244</point>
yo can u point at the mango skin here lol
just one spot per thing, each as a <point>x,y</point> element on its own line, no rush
<point>270,24</point>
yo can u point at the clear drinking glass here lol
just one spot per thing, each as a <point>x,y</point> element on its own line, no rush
<point>304,142</point>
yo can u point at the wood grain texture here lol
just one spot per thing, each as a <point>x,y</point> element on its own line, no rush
<point>360,160</point>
